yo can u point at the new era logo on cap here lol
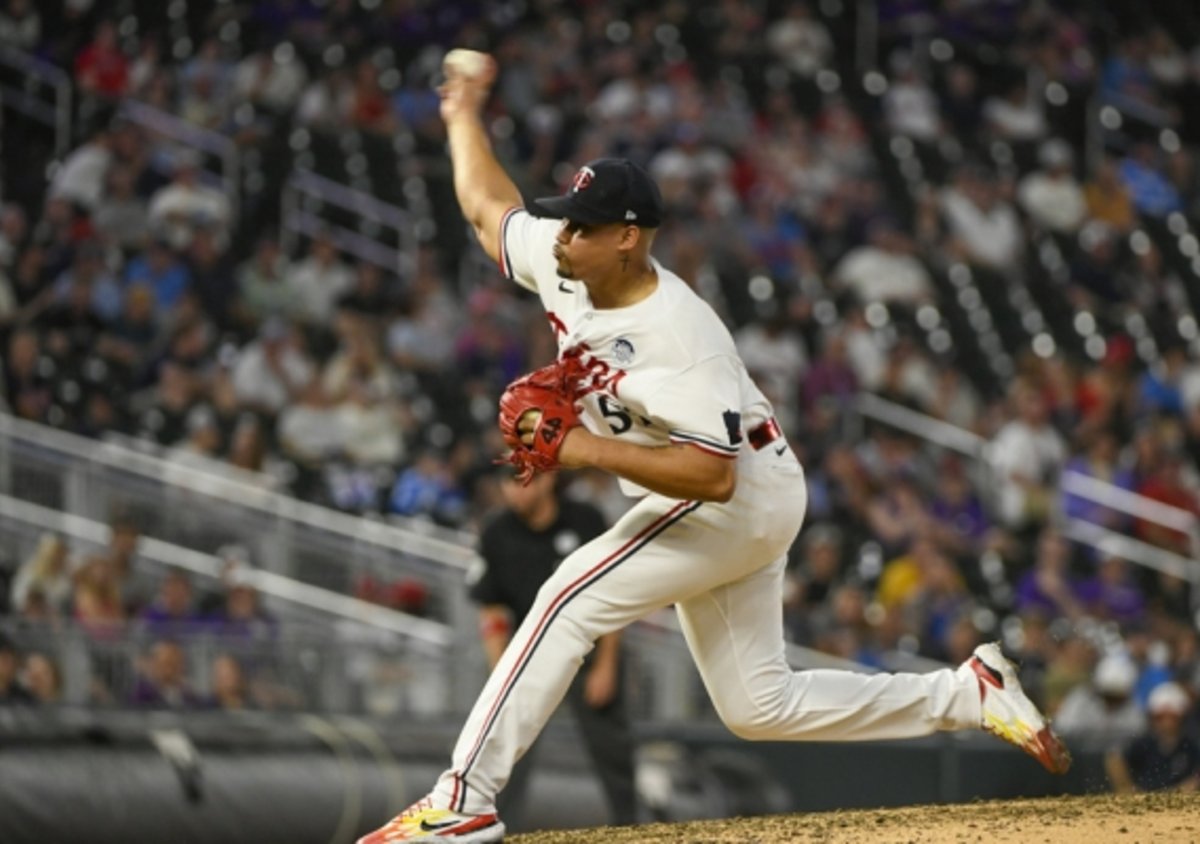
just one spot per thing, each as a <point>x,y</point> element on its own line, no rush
<point>607,190</point>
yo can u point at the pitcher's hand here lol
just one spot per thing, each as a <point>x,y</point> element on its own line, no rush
<point>468,82</point>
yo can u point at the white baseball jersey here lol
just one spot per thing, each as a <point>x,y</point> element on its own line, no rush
<point>662,370</point>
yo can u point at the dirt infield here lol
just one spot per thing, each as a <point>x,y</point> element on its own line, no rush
<point>1102,819</point>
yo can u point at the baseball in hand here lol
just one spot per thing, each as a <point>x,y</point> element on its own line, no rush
<point>527,425</point>
<point>467,63</point>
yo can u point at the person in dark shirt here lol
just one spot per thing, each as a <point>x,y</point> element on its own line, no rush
<point>1163,758</point>
<point>171,613</point>
<point>163,681</point>
<point>72,324</point>
<point>28,390</point>
<point>214,282</point>
<point>372,294</point>
<point>521,546</point>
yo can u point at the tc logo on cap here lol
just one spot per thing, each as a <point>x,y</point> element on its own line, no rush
<point>582,179</point>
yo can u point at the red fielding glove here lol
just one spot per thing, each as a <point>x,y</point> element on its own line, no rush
<point>550,393</point>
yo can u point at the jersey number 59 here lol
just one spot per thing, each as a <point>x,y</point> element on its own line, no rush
<point>619,420</point>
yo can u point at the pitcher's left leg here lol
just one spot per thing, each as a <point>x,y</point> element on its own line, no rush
<point>737,640</point>
<point>735,632</point>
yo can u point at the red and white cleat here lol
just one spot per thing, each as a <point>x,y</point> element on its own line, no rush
<point>1009,714</point>
<point>422,822</point>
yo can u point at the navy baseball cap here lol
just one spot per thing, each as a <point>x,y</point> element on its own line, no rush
<point>607,190</point>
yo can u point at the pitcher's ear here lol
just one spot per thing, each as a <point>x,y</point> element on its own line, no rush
<point>631,236</point>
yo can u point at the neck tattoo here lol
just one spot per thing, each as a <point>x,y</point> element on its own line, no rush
<point>624,263</point>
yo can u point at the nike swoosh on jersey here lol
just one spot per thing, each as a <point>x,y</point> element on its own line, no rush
<point>780,450</point>
<point>562,286</point>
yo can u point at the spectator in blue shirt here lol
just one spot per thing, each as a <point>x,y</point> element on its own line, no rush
<point>162,271</point>
<point>1159,386</point>
<point>1125,76</point>
<point>427,488</point>
<point>1151,191</point>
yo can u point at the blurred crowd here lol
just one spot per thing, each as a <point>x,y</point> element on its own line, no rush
<point>139,634</point>
<point>984,215</point>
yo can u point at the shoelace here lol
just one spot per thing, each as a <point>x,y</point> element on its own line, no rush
<point>413,810</point>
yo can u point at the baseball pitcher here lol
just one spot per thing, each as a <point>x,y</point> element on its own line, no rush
<point>648,386</point>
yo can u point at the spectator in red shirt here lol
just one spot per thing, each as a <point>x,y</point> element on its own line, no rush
<point>101,68</point>
<point>370,109</point>
<point>1166,484</point>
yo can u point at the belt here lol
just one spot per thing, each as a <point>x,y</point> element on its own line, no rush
<point>764,434</point>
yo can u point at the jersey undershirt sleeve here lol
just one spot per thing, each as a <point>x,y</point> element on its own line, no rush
<point>701,406</point>
<point>527,247</point>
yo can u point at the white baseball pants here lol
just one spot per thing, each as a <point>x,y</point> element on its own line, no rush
<point>722,565</point>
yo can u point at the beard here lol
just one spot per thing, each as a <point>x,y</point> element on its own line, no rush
<point>563,267</point>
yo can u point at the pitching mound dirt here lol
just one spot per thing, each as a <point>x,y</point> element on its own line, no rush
<point>1101,819</point>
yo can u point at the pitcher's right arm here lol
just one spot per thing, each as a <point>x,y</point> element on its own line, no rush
<point>484,190</point>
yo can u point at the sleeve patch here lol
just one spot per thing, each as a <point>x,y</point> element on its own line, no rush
<point>733,426</point>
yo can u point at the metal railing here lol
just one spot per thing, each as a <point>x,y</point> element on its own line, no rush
<point>868,406</point>
<point>1094,490</point>
<point>289,666</point>
<point>921,425</point>
<point>180,132</point>
<point>67,460</point>
<point>202,511</point>
<point>330,652</point>
<point>53,112</point>
<point>60,483</point>
<point>1139,506</point>
<point>1108,541</point>
<point>36,519</point>
<point>306,193</point>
